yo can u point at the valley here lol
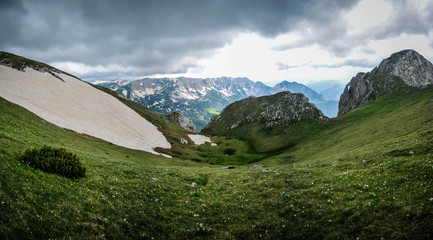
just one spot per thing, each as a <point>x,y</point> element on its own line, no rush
<point>364,174</point>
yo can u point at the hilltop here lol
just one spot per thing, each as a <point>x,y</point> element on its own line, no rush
<point>269,122</point>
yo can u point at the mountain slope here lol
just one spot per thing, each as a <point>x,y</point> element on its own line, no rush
<point>72,104</point>
<point>268,122</point>
<point>400,73</point>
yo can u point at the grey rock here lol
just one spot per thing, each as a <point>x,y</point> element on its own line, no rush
<point>256,166</point>
<point>183,141</point>
<point>182,121</point>
<point>411,153</point>
<point>193,184</point>
<point>400,73</point>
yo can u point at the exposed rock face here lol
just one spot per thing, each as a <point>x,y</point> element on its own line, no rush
<point>279,109</point>
<point>400,73</point>
<point>182,121</point>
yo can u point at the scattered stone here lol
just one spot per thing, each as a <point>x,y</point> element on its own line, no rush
<point>156,200</point>
<point>193,184</point>
<point>411,153</point>
<point>183,141</point>
<point>256,166</point>
<point>364,161</point>
<point>154,179</point>
<point>266,170</point>
<point>214,144</point>
<point>226,167</point>
<point>288,180</point>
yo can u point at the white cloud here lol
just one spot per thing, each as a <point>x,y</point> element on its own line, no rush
<point>367,14</point>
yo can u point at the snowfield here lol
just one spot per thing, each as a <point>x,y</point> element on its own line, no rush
<point>76,105</point>
<point>200,139</point>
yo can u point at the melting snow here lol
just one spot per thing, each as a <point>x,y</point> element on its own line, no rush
<point>76,105</point>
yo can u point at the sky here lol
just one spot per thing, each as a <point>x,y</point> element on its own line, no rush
<point>306,41</point>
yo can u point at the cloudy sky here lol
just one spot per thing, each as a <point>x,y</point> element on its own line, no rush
<point>269,41</point>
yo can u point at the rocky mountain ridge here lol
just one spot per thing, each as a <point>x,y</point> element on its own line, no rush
<point>400,73</point>
<point>199,99</point>
<point>281,108</point>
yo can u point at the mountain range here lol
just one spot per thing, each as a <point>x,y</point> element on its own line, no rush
<point>201,98</point>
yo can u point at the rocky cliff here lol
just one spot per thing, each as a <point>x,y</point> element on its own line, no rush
<point>400,73</point>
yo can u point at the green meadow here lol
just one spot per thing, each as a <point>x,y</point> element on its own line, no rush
<point>367,174</point>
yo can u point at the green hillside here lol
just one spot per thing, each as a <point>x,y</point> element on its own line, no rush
<point>269,123</point>
<point>357,177</point>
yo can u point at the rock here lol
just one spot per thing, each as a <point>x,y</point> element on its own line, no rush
<point>214,144</point>
<point>182,121</point>
<point>364,161</point>
<point>183,141</point>
<point>193,184</point>
<point>256,166</point>
<point>154,179</point>
<point>411,153</point>
<point>400,73</point>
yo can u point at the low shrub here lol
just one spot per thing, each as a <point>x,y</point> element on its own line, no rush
<point>55,160</point>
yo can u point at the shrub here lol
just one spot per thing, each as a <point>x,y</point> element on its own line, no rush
<point>55,160</point>
<point>229,151</point>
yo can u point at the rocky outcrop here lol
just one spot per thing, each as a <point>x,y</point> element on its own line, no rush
<point>400,73</point>
<point>268,111</point>
<point>182,121</point>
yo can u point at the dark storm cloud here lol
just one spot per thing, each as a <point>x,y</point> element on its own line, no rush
<point>156,36</point>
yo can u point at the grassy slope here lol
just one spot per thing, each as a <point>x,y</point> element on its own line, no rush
<point>318,189</point>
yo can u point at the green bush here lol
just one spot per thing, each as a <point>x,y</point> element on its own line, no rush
<point>54,160</point>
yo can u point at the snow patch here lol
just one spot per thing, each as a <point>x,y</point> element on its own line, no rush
<point>200,139</point>
<point>76,105</point>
